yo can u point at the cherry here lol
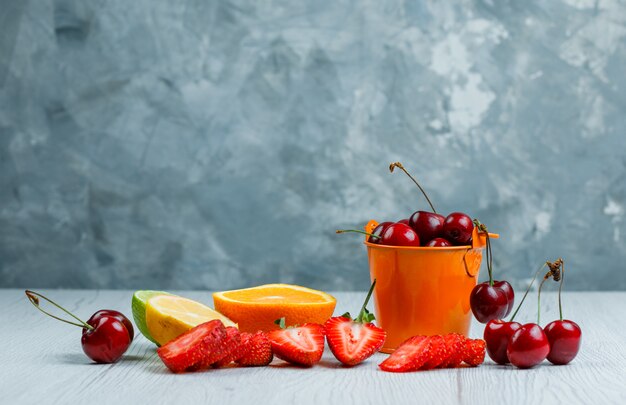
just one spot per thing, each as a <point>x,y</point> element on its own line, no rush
<point>438,242</point>
<point>491,299</point>
<point>378,232</point>
<point>564,335</point>
<point>404,221</point>
<point>457,228</point>
<point>106,340</point>
<point>497,335</point>
<point>488,302</point>
<point>105,336</point>
<point>115,314</point>
<point>428,225</point>
<point>528,346</point>
<point>508,291</point>
<point>400,235</point>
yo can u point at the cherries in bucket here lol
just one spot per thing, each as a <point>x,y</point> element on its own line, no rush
<point>423,228</point>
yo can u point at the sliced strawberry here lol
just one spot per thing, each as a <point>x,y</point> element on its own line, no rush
<point>352,342</point>
<point>231,344</point>
<point>190,350</point>
<point>474,353</point>
<point>255,350</point>
<point>455,347</point>
<point>303,345</point>
<point>437,353</point>
<point>409,356</point>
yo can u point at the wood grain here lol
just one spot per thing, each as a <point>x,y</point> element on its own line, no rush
<point>42,362</point>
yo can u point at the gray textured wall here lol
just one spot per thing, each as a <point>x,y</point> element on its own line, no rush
<point>219,144</point>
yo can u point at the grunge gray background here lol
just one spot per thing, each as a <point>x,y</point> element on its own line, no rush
<point>218,144</point>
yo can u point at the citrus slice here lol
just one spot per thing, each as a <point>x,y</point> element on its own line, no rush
<point>169,316</point>
<point>257,308</point>
<point>139,309</point>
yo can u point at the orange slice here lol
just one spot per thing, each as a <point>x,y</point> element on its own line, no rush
<point>257,308</point>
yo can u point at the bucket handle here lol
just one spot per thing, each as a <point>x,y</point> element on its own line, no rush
<point>473,256</point>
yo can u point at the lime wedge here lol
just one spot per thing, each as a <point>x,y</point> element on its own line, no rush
<point>140,298</point>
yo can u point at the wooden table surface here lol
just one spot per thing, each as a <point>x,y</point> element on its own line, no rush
<point>42,362</point>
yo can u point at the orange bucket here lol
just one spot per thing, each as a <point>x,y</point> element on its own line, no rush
<point>423,290</point>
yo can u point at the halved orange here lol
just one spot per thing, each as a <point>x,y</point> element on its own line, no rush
<point>257,308</point>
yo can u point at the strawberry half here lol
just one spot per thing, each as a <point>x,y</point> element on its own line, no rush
<point>409,356</point>
<point>255,350</point>
<point>190,350</point>
<point>301,345</point>
<point>474,353</point>
<point>353,341</point>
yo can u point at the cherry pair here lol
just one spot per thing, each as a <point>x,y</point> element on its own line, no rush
<point>527,345</point>
<point>106,334</point>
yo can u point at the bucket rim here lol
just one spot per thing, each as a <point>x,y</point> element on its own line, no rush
<point>421,248</point>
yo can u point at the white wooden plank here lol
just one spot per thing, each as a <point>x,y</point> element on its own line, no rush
<point>41,360</point>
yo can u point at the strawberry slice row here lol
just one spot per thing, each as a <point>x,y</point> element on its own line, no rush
<point>429,352</point>
<point>212,344</point>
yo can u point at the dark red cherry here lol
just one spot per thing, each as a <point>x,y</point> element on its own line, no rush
<point>400,235</point>
<point>378,231</point>
<point>508,291</point>
<point>107,341</point>
<point>528,346</point>
<point>488,302</point>
<point>497,335</point>
<point>428,225</point>
<point>564,337</point>
<point>438,242</point>
<point>115,314</point>
<point>105,336</point>
<point>404,221</point>
<point>457,228</point>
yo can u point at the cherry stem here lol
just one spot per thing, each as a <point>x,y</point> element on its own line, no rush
<point>539,300</point>
<point>359,319</point>
<point>489,260</point>
<point>482,228</point>
<point>526,293</point>
<point>399,166</point>
<point>371,235</point>
<point>560,287</point>
<point>33,298</point>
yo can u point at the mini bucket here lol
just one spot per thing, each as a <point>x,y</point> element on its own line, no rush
<point>423,290</point>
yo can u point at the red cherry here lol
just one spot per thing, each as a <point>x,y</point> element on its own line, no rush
<point>428,225</point>
<point>105,337</point>
<point>107,341</point>
<point>488,302</point>
<point>457,228</point>
<point>378,231</point>
<point>438,242</point>
<point>564,337</point>
<point>508,291</point>
<point>115,314</point>
<point>528,346</point>
<point>400,235</point>
<point>497,335</point>
<point>404,221</point>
